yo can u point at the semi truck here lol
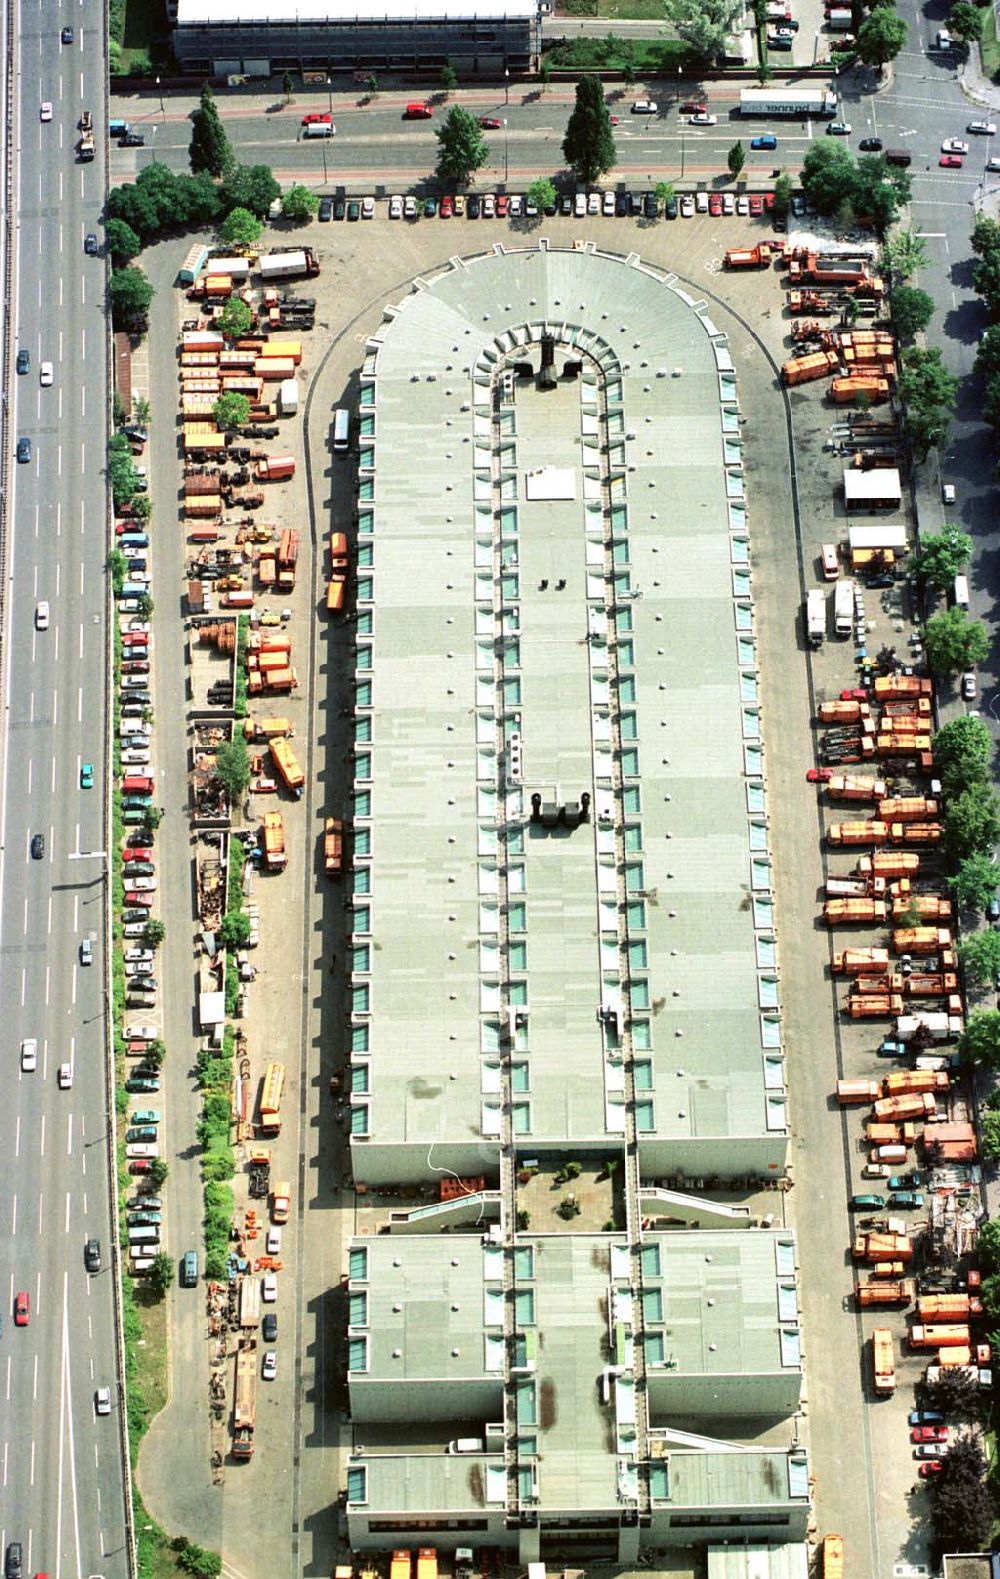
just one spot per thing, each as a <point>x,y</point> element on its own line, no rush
<point>250,1302</point>
<point>815,617</point>
<point>907,1105</point>
<point>245,1400</point>
<point>801,102</point>
<point>854,833</point>
<point>758,257</point>
<point>288,265</point>
<point>901,1080</point>
<point>948,1307</point>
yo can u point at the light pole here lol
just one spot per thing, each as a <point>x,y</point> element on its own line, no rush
<point>152,132</point>
<point>506,165</point>
<point>160,92</point>
<point>329,93</point>
<point>506,84</point>
<point>682,155</point>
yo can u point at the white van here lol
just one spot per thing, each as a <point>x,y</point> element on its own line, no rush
<point>149,1234</point>
<point>960,592</point>
<point>466,1444</point>
<point>319,129</point>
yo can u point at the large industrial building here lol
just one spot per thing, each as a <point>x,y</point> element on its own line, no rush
<point>258,38</point>
<point>565,1030</point>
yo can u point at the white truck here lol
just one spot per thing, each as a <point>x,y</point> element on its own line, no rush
<point>816,617</point>
<point>803,102</point>
<point>288,265</point>
<point>843,608</point>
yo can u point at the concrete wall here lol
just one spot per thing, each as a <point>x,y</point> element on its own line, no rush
<point>677,1394</point>
<point>384,1399</point>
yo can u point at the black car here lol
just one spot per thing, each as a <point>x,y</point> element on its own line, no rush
<point>650,207</point>
<point>37,846</point>
<point>621,204</point>
<point>870,145</point>
<point>133,140</point>
<point>635,203</point>
<point>23,361</point>
<point>551,208</point>
<point>139,839</point>
<point>90,244</point>
<point>325,209</point>
<point>24,449</point>
<point>269,1327</point>
<point>473,206</point>
<point>671,208</point>
<point>13,1561</point>
<point>92,1255</point>
<point>566,204</point>
<point>353,209</point>
<point>67,35</point>
<point>339,208</point>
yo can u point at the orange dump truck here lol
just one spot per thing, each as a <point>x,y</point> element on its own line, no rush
<point>889,864</point>
<point>401,1565</point>
<point>920,940</point>
<point>853,912</point>
<point>275,468</point>
<point>333,846</point>
<point>882,1247</point>
<point>908,808</point>
<point>851,786</point>
<point>852,1093</point>
<point>878,1132</point>
<point>907,1105</point>
<point>338,551</point>
<point>288,556</point>
<point>803,369</point>
<point>860,961</point>
<point>942,1335</point>
<point>929,907</point>
<point>758,257</point>
<point>874,1005</point>
<point>842,711</point>
<point>275,854</point>
<point>889,1292</point>
<point>286,765</point>
<point>915,832</point>
<point>266,728</point>
<point>948,1307</point>
<point>869,832</point>
<point>902,1080</point>
<point>845,390</point>
<point>893,687</point>
<point>335,591</point>
<point>883,1361</point>
<point>932,984</point>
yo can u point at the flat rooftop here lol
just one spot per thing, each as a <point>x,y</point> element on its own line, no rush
<point>321,13</point>
<point>596,619</point>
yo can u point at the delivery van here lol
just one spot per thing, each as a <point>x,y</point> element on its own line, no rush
<point>960,592</point>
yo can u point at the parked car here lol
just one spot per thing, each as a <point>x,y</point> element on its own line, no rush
<point>645,107</point>
<point>866,1203</point>
<point>905,1200</point>
<point>950,162</point>
<point>929,1433</point>
<point>925,1417</point>
<point>325,209</point>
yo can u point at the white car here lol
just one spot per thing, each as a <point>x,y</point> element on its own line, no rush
<point>136,757</point>
<point>645,107</point>
<point>138,1031</point>
<point>367,208</point>
<point>687,207</point>
<point>608,204</point>
<point>839,129</point>
<point>969,686</point>
<point>489,206</point>
<point>29,1055</point>
<point>46,111</point>
<point>728,202</point>
<point>269,1369</point>
<point>993,164</point>
<point>141,885</point>
<point>138,956</point>
<point>269,1289</point>
<point>409,208</point>
<point>41,616</point>
<point>984,128</point>
<point>580,204</point>
<point>138,968</point>
<point>703,118</point>
<point>102,1400</point>
<point>743,204</point>
<point>701,202</point>
<point>133,929</point>
<point>64,1076</point>
<point>954,145</point>
<point>45,374</point>
<point>948,493</point>
<point>395,208</point>
<point>273,1242</point>
<point>516,206</point>
<point>593,202</point>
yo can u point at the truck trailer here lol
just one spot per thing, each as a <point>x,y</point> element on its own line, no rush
<point>801,102</point>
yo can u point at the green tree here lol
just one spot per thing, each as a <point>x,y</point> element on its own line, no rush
<point>828,175</point>
<point>912,310</point>
<point>232,767</point>
<point>154,932</point>
<point>129,296</point>
<point>542,192</point>
<point>158,1173</point>
<point>879,189</point>
<point>235,929</point>
<point>449,77</point>
<point>925,380</point>
<point>988,1243</point>
<point>235,319</point>
<point>287,86</point>
<point>240,228</point>
<point>140,410</point>
<point>663,191</point>
<point>928,427</point>
<point>782,196</point>
<point>371,83</point>
<point>963,754</point>
<point>195,1559</point>
<point>954,642</point>
<point>588,146</point>
<point>986,281</point>
<point>881,37</point>
<point>231,411</point>
<point>975,882</point>
<point>462,148</point>
<point>991,400</point>
<point>971,822</point>
<point>210,150</point>
<point>985,236</point>
<point>160,1275</point>
<point>299,204</point>
<point>942,556</point>
<point>904,253</point>
<point>957,1396</point>
<point>979,1043</point>
<point>121,469</point>
<point>736,158</point>
<point>961,1511</point>
<point>965,22</point>
<point>250,186</point>
<point>707,25</point>
<point>122,242</point>
<point>155,1053</point>
<point>980,956</point>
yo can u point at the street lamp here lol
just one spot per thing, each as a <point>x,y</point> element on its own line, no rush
<point>506,84</point>
<point>152,132</point>
<point>329,93</point>
<point>160,92</point>
<point>506,165</point>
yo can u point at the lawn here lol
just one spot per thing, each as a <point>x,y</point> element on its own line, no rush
<point>632,10</point>
<point>645,56</point>
<point>146,36</point>
<point>989,44</point>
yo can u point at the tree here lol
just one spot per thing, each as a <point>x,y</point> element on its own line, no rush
<point>588,146</point>
<point>234,929</point>
<point>158,1173</point>
<point>904,253</point>
<point>965,22</point>
<point>881,37</point>
<point>912,310</point>
<point>140,411</point>
<point>122,242</point>
<point>707,25</point>
<point>736,158</point>
<point>287,86</point>
<point>942,556</point>
<point>985,236</point>
<point>240,228</point>
<point>927,427</point>
<point>232,767</point>
<point>121,469</point>
<point>231,411</point>
<point>975,882</point>
<point>462,148</point>
<point>925,380</point>
<point>782,196</point>
<point>663,191</point>
<point>129,296</point>
<point>971,822</point>
<point>155,1053</point>
<point>955,1395</point>
<point>979,1043</point>
<point>449,77</point>
<point>828,174</point>
<point>250,186</point>
<point>234,320</point>
<point>195,1559</point>
<point>542,193</point>
<point>299,204</point>
<point>160,1275</point>
<point>961,1514</point>
<point>980,955</point>
<point>963,754</point>
<point>154,933</point>
<point>209,150</point>
<point>954,642</point>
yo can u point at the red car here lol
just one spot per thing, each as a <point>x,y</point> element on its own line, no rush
<point>819,775</point>
<point>417,112</point>
<point>756,204</point>
<point>316,118</point>
<point>929,1433</point>
<point>143,900</point>
<point>447,207</point>
<point>140,1165</point>
<point>715,204</point>
<point>694,106</point>
<point>22,1308</point>
<point>857,693</point>
<point>933,1468</point>
<point>769,201</point>
<point>489,123</point>
<point>503,205</point>
<point>950,162</point>
<point>147,855</point>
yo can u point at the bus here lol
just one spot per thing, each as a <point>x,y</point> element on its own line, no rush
<point>341,428</point>
<point>883,1360</point>
<point>271,1088</point>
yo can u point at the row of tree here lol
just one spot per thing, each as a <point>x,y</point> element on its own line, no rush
<point>849,189</point>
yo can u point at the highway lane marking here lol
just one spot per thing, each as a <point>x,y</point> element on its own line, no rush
<point>79,703</point>
<point>47,979</point>
<point>58,460</point>
<point>17,1153</point>
<point>41,1152</point>
<point>31,1479</point>
<point>80,641</point>
<point>9,1372</point>
<point>67,1222</point>
<point>50,915</point>
<point>24,985</point>
<point>58,523</point>
<point>34,1382</point>
<point>52,785</point>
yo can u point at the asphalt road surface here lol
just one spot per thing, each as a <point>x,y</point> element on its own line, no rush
<point>61,1466</point>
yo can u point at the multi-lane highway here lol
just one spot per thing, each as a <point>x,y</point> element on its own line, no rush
<point>61,1467</point>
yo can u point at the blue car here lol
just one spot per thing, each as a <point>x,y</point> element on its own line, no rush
<point>926,1417</point>
<point>768,140</point>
